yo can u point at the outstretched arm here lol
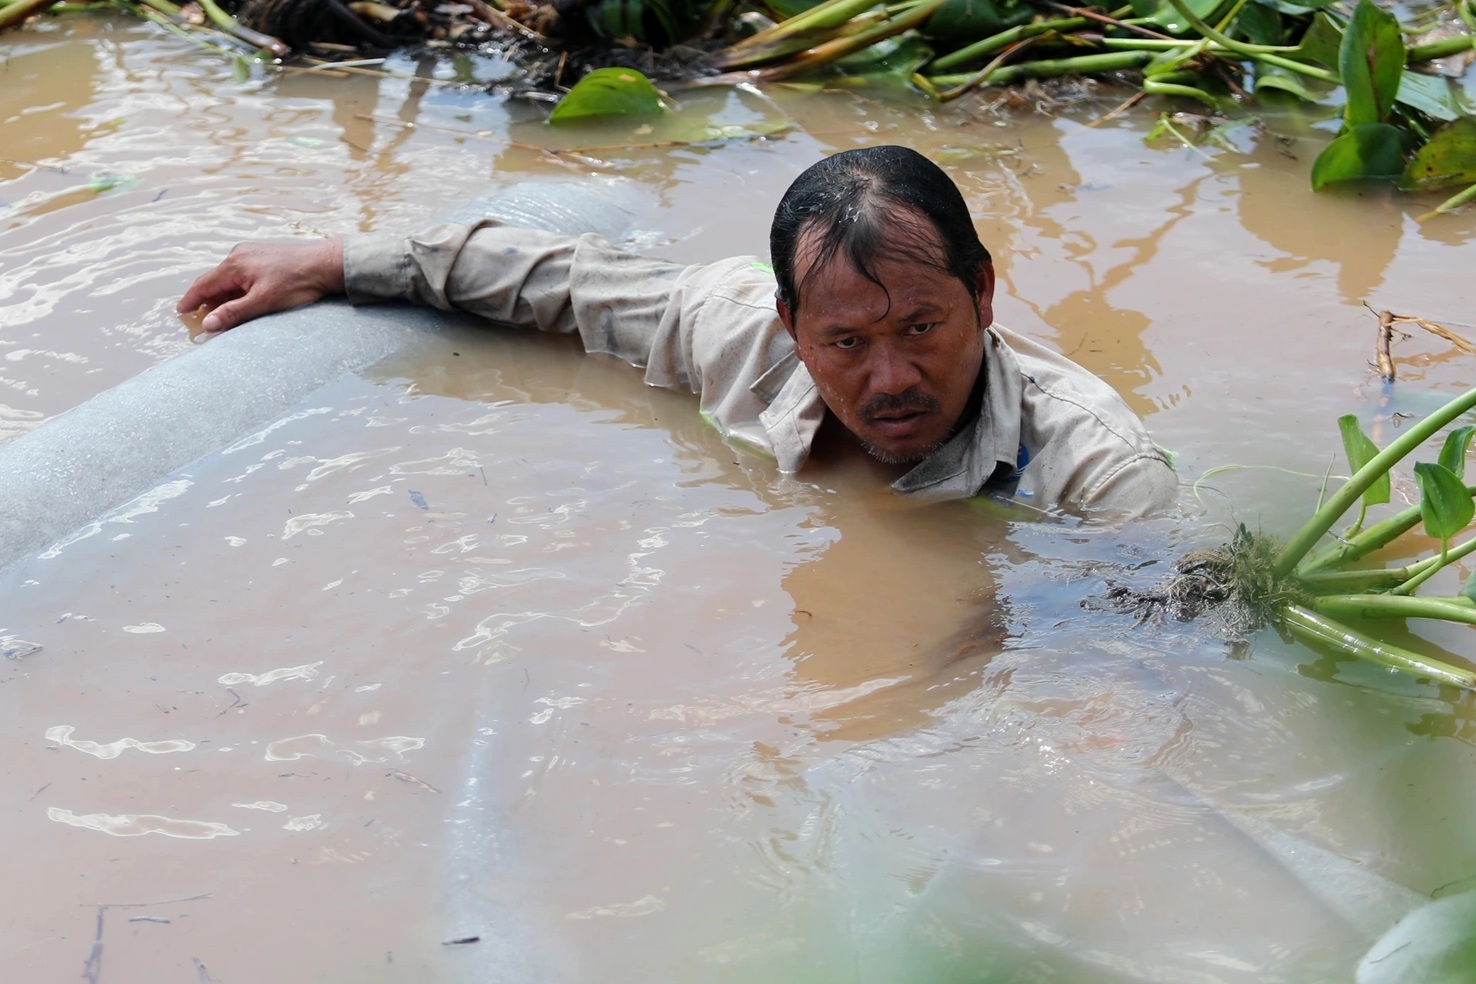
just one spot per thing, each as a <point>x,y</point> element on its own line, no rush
<point>260,278</point>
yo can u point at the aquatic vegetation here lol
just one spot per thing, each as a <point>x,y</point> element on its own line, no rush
<point>608,92</point>
<point>1399,123</point>
<point>1388,74</point>
<point>1312,585</point>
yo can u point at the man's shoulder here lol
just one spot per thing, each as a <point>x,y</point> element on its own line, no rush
<point>1054,386</point>
<point>745,281</point>
<point>1091,449</point>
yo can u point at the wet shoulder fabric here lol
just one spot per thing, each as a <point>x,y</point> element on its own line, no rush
<point>1049,433</point>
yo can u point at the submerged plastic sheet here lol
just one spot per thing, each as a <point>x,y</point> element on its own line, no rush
<point>119,444</point>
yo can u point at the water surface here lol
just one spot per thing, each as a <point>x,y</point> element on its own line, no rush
<point>493,641</point>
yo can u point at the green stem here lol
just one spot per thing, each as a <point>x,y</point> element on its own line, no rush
<point>835,50</point>
<point>800,32</point>
<point>1395,606</point>
<point>231,26</point>
<point>1154,44</point>
<point>1339,582</point>
<point>1112,61</point>
<point>746,54</point>
<point>1004,39</point>
<point>197,36</point>
<point>1381,534</point>
<point>20,10</point>
<point>831,13</point>
<point>1311,626</point>
<point>1240,47</point>
<point>1301,68</point>
<point>1265,58</point>
<point>1421,572</point>
<point>980,77</point>
<point>1159,88</point>
<point>1457,200</point>
<point>1443,48</point>
<point>1353,489</point>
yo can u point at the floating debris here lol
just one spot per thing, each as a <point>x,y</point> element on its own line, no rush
<point>14,647</point>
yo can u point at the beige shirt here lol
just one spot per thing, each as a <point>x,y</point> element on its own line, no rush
<point>1049,434</point>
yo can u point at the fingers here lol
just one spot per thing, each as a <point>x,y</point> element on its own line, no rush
<point>258,279</point>
<point>232,313</point>
<point>215,287</point>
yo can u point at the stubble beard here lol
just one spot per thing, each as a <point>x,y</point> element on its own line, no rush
<point>912,458</point>
<point>902,401</point>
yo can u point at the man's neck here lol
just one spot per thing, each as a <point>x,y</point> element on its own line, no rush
<point>837,450</point>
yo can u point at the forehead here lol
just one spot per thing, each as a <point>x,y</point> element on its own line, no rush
<point>896,285</point>
<point>910,236</point>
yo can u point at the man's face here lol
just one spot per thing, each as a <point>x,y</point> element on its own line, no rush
<point>896,365</point>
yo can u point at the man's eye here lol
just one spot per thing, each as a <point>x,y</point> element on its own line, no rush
<point>922,328</point>
<point>845,344</point>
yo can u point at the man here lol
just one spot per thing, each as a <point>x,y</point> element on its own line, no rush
<point>884,338</point>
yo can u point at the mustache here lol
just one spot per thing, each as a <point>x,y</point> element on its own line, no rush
<point>908,401</point>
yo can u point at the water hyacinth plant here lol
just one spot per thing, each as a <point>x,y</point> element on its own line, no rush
<point>1398,124</point>
<point>1313,586</point>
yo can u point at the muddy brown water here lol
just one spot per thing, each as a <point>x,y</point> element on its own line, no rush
<point>493,643</point>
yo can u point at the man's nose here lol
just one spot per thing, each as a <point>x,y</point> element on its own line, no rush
<point>892,371</point>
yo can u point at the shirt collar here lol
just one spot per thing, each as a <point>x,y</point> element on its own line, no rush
<point>961,467</point>
<point>795,411</point>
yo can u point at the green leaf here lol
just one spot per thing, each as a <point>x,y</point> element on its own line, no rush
<point>1321,43</point>
<point>1469,588</point>
<point>1370,150</point>
<point>1447,159</point>
<point>1370,63</point>
<point>1360,451</point>
<point>647,21</point>
<point>1274,77</point>
<point>1172,60</point>
<point>608,92</point>
<point>1445,504</point>
<point>1162,13</point>
<point>897,57</point>
<point>1432,95</point>
<point>1453,454</point>
<point>1319,46</point>
<point>971,20</point>
<point>1259,24</point>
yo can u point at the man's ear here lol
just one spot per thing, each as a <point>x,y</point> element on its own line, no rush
<point>785,315</point>
<point>984,288</point>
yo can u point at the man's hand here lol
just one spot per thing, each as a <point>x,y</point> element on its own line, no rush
<point>260,278</point>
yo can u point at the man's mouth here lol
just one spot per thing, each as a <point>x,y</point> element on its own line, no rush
<point>897,413</point>
<point>896,423</point>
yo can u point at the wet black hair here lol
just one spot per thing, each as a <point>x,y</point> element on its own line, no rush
<point>855,201</point>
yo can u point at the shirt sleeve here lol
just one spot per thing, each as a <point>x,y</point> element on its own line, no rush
<point>1141,487</point>
<point>710,328</point>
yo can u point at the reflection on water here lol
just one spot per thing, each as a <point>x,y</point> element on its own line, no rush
<point>497,643</point>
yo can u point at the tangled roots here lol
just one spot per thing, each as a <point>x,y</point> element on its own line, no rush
<point>1231,584</point>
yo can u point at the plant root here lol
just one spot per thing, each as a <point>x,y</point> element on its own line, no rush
<point>1233,585</point>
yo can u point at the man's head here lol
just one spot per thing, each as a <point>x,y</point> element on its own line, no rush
<point>886,289</point>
